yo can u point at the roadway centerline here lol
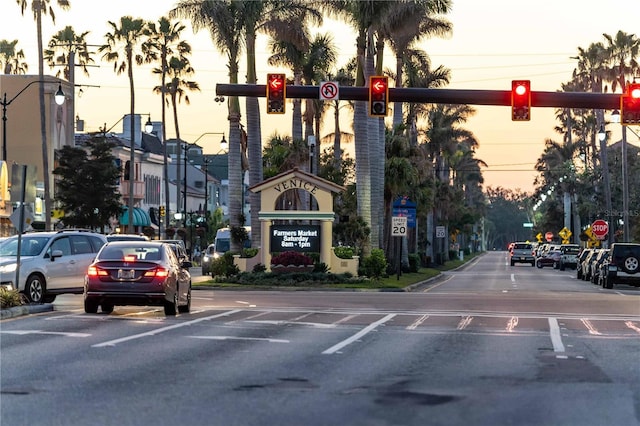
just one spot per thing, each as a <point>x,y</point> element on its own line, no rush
<point>556,339</point>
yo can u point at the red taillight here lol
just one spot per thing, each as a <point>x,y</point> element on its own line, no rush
<point>157,272</point>
<point>94,271</point>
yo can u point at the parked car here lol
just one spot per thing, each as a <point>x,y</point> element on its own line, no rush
<point>569,256</point>
<point>595,265</point>
<point>522,253</point>
<point>624,265</point>
<point>602,270</point>
<point>580,259</point>
<point>137,273</point>
<point>586,264</point>
<point>552,258</point>
<point>51,263</point>
<point>178,248</point>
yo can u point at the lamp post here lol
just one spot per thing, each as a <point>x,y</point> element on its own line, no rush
<point>59,98</point>
<point>615,118</point>
<point>602,136</point>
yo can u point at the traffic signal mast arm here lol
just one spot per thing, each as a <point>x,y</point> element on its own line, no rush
<point>439,96</point>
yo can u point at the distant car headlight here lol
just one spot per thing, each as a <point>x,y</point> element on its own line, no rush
<point>11,267</point>
<point>216,255</point>
<point>206,258</point>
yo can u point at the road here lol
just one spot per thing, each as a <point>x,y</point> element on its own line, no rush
<point>487,345</point>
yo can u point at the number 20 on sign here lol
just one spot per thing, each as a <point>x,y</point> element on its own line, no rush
<point>399,226</point>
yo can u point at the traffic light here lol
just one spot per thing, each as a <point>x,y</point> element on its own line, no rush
<point>630,105</point>
<point>276,93</point>
<point>162,212</point>
<point>520,100</point>
<point>378,96</point>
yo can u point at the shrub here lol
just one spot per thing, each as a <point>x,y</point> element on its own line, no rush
<point>9,298</point>
<point>414,262</point>
<point>291,258</point>
<point>249,252</point>
<point>224,266</point>
<point>259,268</point>
<point>375,265</point>
<point>343,252</point>
<point>320,267</point>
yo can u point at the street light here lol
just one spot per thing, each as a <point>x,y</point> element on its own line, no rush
<point>206,160</point>
<point>59,98</point>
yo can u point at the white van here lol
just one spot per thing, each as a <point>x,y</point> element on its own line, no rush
<point>222,242</point>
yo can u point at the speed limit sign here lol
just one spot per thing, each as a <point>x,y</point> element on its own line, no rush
<point>398,226</point>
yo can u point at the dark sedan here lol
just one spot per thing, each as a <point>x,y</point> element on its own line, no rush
<point>552,258</point>
<point>138,273</point>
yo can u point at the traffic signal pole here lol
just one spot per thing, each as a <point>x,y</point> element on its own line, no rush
<point>439,96</point>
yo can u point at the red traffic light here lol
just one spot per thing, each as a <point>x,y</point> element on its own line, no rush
<point>520,100</point>
<point>378,96</point>
<point>630,105</point>
<point>276,93</point>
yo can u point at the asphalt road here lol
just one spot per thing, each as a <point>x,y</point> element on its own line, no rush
<point>487,345</point>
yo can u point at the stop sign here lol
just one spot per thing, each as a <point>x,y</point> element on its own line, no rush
<point>548,236</point>
<point>600,228</point>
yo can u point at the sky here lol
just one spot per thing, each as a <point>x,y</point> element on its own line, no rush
<point>493,42</point>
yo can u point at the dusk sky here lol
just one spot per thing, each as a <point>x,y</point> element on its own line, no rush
<point>493,42</point>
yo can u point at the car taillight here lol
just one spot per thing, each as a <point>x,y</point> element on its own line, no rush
<point>94,271</point>
<point>157,272</point>
<point>130,258</point>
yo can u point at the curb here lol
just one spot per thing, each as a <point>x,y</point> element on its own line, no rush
<point>18,311</point>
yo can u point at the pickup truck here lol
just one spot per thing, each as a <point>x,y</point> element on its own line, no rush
<point>522,253</point>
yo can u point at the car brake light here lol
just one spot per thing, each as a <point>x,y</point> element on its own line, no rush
<point>130,258</point>
<point>94,271</point>
<point>157,272</point>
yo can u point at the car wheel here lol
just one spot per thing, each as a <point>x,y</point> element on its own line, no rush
<point>185,309</point>
<point>538,264</point>
<point>205,271</point>
<point>35,289</point>
<point>630,265</point>
<point>562,267</point>
<point>90,306</point>
<point>578,274</point>
<point>107,308</point>
<point>607,283</point>
<point>49,298</point>
<point>512,263</point>
<point>533,263</point>
<point>170,307</point>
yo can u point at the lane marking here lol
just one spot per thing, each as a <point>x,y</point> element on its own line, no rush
<point>55,333</point>
<point>464,322</point>
<point>290,322</point>
<point>556,339</point>
<point>438,285</point>
<point>513,278</point>
<point>632,326</point>
<point>163,329</point>
<point>335,348</point>
<point>417,322</point>
<point>592,329</point>
<point>246,303</point>
<point>512,324</point>
<point>262,339</point>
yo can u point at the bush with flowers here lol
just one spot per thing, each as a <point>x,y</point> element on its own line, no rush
<point>292,258</point>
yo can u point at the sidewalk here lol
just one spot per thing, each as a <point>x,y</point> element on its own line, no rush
<point>196,275</point>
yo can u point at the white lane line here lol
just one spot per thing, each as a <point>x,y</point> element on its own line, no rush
<point>55,333</point>
<point>417,322</point>
<point>512,324</point>
<point>240,338</point>
<point>345,319</point>
<point>246,303</point>
<point>513,278</point>
<point>464,322</point>
<point>335,348</point>
<point>290,322</point>
<point>556,339</point>
<point>162,330</point>
<point>438,285</point>
<point>632,326</point>
<point>592,329</point>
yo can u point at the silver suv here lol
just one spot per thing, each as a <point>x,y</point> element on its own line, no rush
<point>522,253</point>
<point>51,263</point>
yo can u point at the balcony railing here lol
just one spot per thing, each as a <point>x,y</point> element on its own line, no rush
<point>138,189</point>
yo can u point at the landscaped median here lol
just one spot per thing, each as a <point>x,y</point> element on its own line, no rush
<point>327,281</point>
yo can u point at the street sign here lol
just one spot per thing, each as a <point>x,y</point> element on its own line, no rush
<point>600,228</point>
<point>548,236</point>
<point>329,91</point>
<point>398,226</point>
<point>440,232</point>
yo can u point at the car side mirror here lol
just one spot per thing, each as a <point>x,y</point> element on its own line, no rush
<point>55,253</point>
<point>186,264</point>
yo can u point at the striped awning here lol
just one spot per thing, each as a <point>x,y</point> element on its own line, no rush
<point>140,217</point>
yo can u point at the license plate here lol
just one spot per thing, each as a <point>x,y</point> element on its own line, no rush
<point>125,274</point>
<point>522,258</point>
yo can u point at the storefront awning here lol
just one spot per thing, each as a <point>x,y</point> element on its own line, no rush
<point>140,217</point>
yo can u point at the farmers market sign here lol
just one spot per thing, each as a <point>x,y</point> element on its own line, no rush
<point>295,238</point>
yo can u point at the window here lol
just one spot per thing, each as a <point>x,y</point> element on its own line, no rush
<point>63,244</point>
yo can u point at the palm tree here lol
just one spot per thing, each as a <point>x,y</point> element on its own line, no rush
<point>165,39</point>
<point>11,59</point>
<point>39,8</point>
<point>622,52</point>
<point>63,48</point>
<point>121,49</point>
<point>224,21</point>
<point>178,67</point>
<point>407,24</point>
